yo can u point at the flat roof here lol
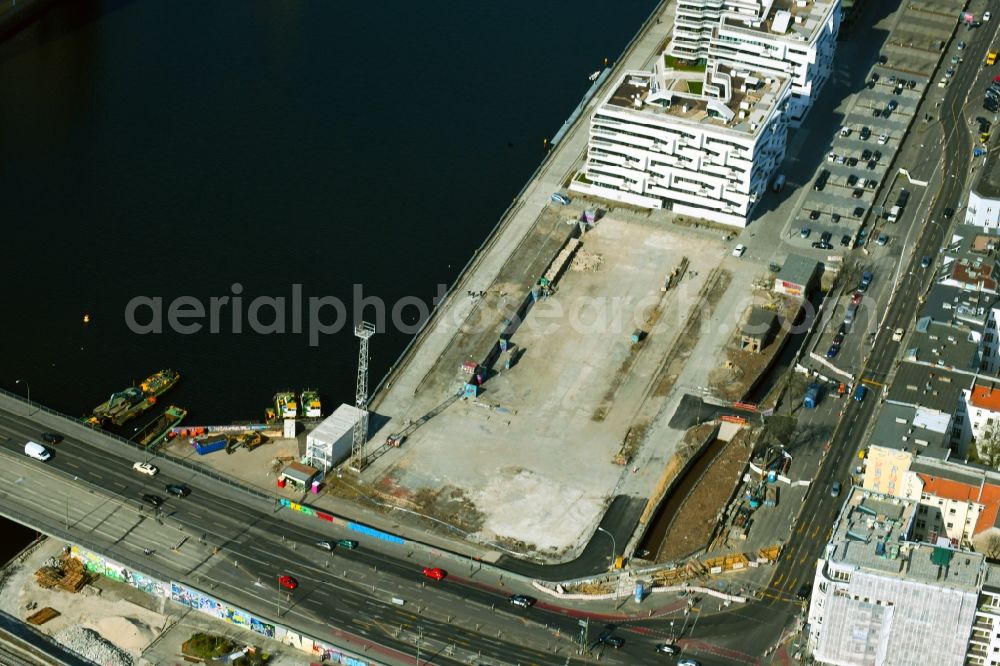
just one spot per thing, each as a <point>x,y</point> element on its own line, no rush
<point>759,322</point>
<point>794,20</point>
<point>901,427</point>
<point>941,344</point>
<point>872,533</point>
<point>338,424</point>
<point>720,96</point>
<point>798,269</point>
<point>927,386</point>
<point>950,303</point>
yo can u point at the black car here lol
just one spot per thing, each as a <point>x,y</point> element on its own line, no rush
<point>911,84</point>
<point>877,155</point>
<point>852,180</point>
<point>871,165</point>
<point>845,240</point>
<point>835,217</point>
<point>822,245</point>
<point>882,60</point>
<point>875,77</point>
<point>614,641</point>
<point>826,236</point>
<point>814,215</point>
<point>859,211</point>
<point>866,155</point>
<point>865,133</point>
<point>838,339</point>
<point>876,113</point>
<point>820,185</point>
<point>892,105</point>
<point>857,193</point>
<point>51,437</point>
<point>804,592</point>
<point>852,161</point>
<point>155,500</point>
<point>521,600</point>
<point>178,490</point>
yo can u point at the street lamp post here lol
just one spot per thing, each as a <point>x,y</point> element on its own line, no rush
<point>27,386</point>
<point>614,548</point>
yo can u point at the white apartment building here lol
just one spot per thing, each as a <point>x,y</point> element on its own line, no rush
<point>984,197</point>
<point>704,144</point>
<point>793,38</point>
<point>881,599</point>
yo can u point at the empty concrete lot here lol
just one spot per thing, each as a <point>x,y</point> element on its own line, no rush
<point>529,463</point>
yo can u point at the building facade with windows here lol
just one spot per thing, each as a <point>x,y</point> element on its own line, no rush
<point>984,198</point>
<point>793,39</point>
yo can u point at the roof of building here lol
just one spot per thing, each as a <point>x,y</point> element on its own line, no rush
<point>336,425</point>
<point>299,472</point>
<point>988,184</point>
<point>941,474</point>
<point>872,534</point>
<point>901,427</point>
<point>941,344</point>
<point>985,396</point>
<point>759,323</point>
<point>975,272</point>
<point>787,19</point>
<point>927,386</point>
<point>989,517</point>
<point>721,96</point>
<point>950,304</point>
<point>798,269</point>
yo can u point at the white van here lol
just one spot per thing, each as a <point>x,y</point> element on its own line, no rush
<point>36,451</point>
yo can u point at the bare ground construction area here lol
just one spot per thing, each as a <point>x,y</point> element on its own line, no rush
<point>529,463</point>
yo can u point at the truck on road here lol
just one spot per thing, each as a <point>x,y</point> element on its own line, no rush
<point>811,398</point>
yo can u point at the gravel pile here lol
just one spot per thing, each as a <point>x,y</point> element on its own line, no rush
<point>93,646</point>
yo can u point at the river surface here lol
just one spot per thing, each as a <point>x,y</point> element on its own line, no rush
<point>155,149</point>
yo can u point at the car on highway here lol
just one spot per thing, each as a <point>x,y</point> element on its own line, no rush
<point>667,648</point>
<point>835,489</point>
<point>897,335</point>
<point>435,572</point>
<point>37,451</point>
<point>145,468</point>
<point>866,280</point>
<point>614,641</point>
<point>328,546</point>
<point>804,591</point>
<point>845,240</point>
<point>347,544</point>
<point>859,393</point>
<point>155,500</point>
<point>560,198</point>
<point>739,250</point>
<point>688,662</point>
<point>838,338</point>
<point>865,133</point>
<point>960,46</point>
<point>925,262</point>
<point>51,437</point>
<point>948,73</point>
<point>178,490</point>
<point>814,215</point>
<point>804,232</point>
<point>288,582</point>
<point>833,351</point>
<point>987,16</point>
<point>948,212</point>
<point>521,600</point>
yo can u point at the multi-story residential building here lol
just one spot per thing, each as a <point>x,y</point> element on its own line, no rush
<point>983,409</point>
<point>794,39</point>
<point>937,391</point>
<point>703,144</point>
<point>880,598</point>
<point>984,198</point>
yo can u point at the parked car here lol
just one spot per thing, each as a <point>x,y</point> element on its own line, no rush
<point>883,138</point>
<point>877,155</point>
<point>288,582</point>
<point>835,217</point>
<point>435,572</point>
<point>866,155</point>
<point>852,180</point>
<point>739,250</point>
<point>833,351</point>
<point>826,236</point>
<point>852,161</point>
<point>814,215</point>
<point>875,77</point>
<point>559,198</point>
<point>804,232</point>
<point>859,392</point>
<point>871,165</point>
<point>521,600</point>
<point>882,239</point>
<point>960,45</point>
<point>856,298</point>
<point>857,193</point>
<point>866,280</point>
<point>839,338</point>
<point>822,245</point>
<point>145,468</point>
<point>876,113</point>
<point>859,211</point>
<point>865,133</point>
<point>845,240</point>
<point>892,105</point>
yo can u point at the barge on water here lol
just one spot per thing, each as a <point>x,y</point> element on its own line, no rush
<point>154,431</point>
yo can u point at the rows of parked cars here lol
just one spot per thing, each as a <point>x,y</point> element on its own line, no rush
<point>849,315</point>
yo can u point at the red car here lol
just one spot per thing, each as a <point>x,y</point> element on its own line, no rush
<point>288,581</point>
<point>435,573</point>
<point>856,298</point>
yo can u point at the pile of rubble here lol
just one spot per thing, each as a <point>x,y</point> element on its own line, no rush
<point>586,261</point>
<point>65,572</point>
<point>93,646</point>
